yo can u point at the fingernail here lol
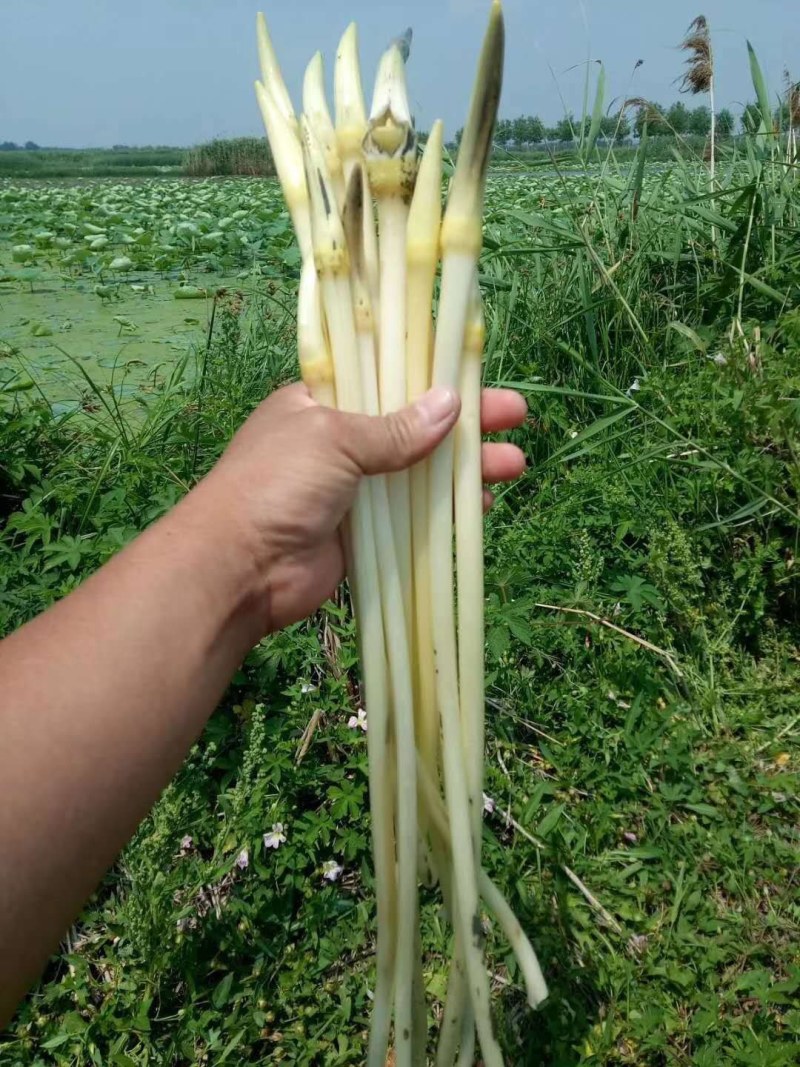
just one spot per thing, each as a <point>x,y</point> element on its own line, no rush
<point>438,405</point>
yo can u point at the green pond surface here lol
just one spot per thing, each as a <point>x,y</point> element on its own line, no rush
<point>89,273</point>
<point>89,270</point>
<point>53,330</point>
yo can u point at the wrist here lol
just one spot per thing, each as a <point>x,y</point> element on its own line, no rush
<point>230,556</point>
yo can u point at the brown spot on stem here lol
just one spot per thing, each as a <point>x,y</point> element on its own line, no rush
<point>324,191</point>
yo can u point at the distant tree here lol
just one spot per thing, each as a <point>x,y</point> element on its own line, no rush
<point>519,131</point>
<point>608,126</point>
<point>726,124</point>
<point>502,135</point>
<point>751,118</point>
<point>654,115</point>
<point>700,121</point>
<point>534,129</point>
<point>678,117</point>
<point>615,126</point>
<point>459,135</point>
<point>32,146</point>
<point>566,128</point>
<point>9,146</point>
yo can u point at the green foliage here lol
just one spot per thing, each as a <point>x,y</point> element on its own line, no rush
<point>240,155</point>
<point>680,118</point>
<point>642,611</point>
<point>90,162</point>
<point>726,123</point>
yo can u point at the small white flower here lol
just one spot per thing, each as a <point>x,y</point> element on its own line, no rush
<point>720,360</point>
<point>243,860</point>
<point>634,387</point>
<point>186,845</point>
<point>488,804</point>
<point>276,837</point>
<point>332,871</point>
<point>307,687</point>
<point>358,722</point>
<point>573,434</point>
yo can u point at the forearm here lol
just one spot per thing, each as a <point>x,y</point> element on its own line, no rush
<point>102,697</point>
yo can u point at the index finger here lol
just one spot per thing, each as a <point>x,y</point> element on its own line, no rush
<point>502,409</point>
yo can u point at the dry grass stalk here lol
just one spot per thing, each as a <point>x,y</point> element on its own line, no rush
<point>697,42</point>
<point>699,78</point>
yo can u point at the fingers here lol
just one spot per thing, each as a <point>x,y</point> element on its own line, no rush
<point>397,441</point>
<point>502,462</point>
<point>502,409</point>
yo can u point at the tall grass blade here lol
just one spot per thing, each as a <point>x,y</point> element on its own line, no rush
<point>597,111</point>
<point>766,129</point>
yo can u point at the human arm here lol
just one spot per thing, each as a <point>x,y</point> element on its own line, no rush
<point>102,696</point>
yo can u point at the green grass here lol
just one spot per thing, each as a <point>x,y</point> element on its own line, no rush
<point>240,155</point>
<point>655,330</point>
<point>249,156</point>
<point>91,162</point>
<point>217,158</point>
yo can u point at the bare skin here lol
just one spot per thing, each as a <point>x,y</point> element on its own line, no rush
<point>102,696</point>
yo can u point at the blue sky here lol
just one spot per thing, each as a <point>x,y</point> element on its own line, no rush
<point>100,72</point>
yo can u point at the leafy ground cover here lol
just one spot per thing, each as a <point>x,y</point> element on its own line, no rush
<point>642,611</point>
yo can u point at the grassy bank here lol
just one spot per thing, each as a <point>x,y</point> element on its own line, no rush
<point>642,632</point>
<point>249,156</point>
<point>218,158</point>
<point>91,162</point>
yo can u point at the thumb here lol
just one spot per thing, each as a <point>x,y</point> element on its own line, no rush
<point>380,445</point>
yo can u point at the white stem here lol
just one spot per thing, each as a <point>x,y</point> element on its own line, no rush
<point>469,585</point>
<point>392,221</point>
<point>713,133</point>
<point>270,70</point>
<point>713,160</point>
<point>374,667</point>
<point>495,901</point>
<point>317,114</point>
<point>424,225</point>
<point>456,789</point>
<point>457,281</point>
<point>391,598</point>
<point>287,155</point>
<point>408,968</point>
<point>337,301</point>
<point>469,571</point>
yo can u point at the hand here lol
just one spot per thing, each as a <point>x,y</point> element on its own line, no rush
<point>290,476</point>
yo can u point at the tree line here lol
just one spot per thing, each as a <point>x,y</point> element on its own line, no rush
<point>11,146</point>
<point>675,120</point>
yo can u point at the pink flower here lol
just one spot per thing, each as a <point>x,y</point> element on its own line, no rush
<point>358,722</point>
<point>488,804</point>
<point>243,860</point>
